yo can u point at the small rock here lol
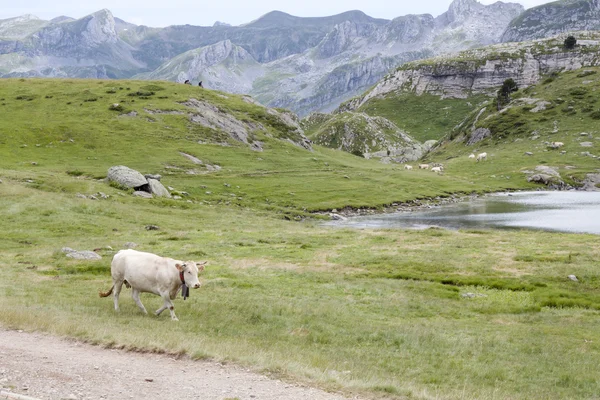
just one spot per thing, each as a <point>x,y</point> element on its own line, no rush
<point>337,217</point>
<point>149,380</point>
<point>177,197</point>
<point>208,192</point>
<point>130,245</point>
<point>84,255</point>
<point>584,134</point>
<point>528,153</point>
<point>145,195</point>
<point>81,196</point>
<point>586,144</point>
<point>573,278</point>
<point>67,250</point>
<point>468,295</point>
<point>153,176</point>
<point>152,228</point>
<point>34,163</point>
<point>92,197</point>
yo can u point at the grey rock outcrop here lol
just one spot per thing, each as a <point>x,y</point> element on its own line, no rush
<point>554,18</point>
<point>371,137</point>
<point>126,177</point>
<point>484,70</point>
<point>591,183</point>
<point>212,117</point>
<point>478,135</point>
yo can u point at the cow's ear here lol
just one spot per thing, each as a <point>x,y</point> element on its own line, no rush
<point>201,265</point>
<point>179,267</point>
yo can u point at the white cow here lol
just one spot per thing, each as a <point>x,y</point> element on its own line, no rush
<point>472,155</point>
<point>437,169</point>
<point>423,166</point>
<point>481,157</point>
<point>409,167</point>
<point>147,272</point>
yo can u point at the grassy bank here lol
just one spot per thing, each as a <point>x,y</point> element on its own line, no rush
<point>368,312</point>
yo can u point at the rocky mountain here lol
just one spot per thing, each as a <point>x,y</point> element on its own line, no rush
<point>482,71</point>
<point>554,18</point>
<point>305,64</point>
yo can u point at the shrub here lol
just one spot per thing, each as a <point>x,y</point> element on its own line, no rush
<point>570,42</point>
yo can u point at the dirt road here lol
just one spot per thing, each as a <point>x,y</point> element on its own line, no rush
<point>45,367</point>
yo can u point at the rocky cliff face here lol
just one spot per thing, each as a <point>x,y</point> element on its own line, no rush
<point>484,70</point>
<point>554,18</point>
<point>306,64</point>
<point>470,21</point>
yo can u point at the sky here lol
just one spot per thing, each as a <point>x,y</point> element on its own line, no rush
<point>160,13</point>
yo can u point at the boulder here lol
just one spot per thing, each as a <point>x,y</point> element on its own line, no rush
<point>157,188</point>
<point>126,176</point>
<point>81,255</point>
<point>547,170</point>
<point>542,178</point>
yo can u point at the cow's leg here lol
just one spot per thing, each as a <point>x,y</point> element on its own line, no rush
<point>168,304</point>
<point>136,296</point>
<point>118,286</point>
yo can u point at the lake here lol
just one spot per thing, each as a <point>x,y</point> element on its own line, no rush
<point>571,211</point>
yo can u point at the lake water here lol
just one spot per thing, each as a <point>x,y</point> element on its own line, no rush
<point>554,211</point>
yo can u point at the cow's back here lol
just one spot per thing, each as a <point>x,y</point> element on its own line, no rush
<point>145,272</point>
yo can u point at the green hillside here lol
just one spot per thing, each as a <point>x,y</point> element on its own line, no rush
<point>395,314</point>
<point>424,117</point>
<point>68,129</point>
<point>563,108</point>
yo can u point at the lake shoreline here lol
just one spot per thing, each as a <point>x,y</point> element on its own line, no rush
<point>573,211</point>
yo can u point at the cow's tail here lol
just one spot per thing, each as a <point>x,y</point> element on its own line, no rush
<point>107,293</point>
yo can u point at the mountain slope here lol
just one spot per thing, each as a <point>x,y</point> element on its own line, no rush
<point>305,64</point>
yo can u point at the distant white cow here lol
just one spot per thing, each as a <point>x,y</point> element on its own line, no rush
<point>472,155</point>
<point>423,166</point>
<point>556,145</point>
<point>409,167</point>
<point>481,157</point>
<point>437,169</point>
<point>147,272</point>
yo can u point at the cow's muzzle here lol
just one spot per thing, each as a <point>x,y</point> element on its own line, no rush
<point>196,286</point>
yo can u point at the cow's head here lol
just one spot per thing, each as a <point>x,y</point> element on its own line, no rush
<point>190,270</point>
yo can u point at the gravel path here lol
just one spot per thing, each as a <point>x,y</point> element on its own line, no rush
<point>45,367</point>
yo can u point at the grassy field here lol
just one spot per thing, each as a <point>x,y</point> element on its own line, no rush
<point>380,313</point>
